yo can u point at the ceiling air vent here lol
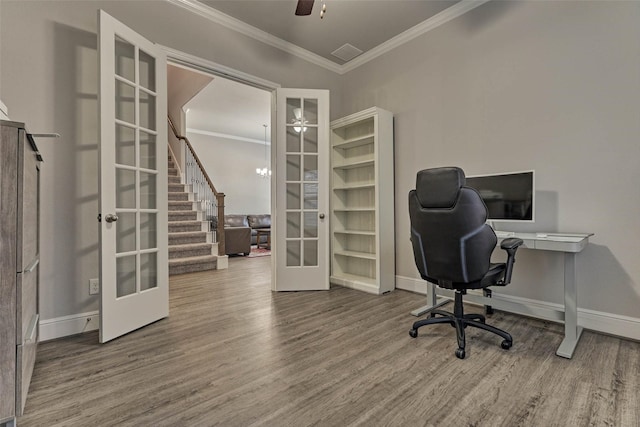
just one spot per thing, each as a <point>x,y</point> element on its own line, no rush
<point>346,52</point>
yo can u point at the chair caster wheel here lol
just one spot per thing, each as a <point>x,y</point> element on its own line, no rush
<point>413,333</point>
<point>460,353</point>
<point>506,344</point>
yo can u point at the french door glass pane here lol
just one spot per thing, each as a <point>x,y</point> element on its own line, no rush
<point>125,276</point>
<point>125,189</point>
<point>125,59</point>
<point>147,110</point>
<point>311,140</point>
<point>293,224</point>
<point>148,154</point>
<point>311,168</point>
<point>311,196</point>
<point>125,145</point>
<point>310,224</point>
<point>311,111</point>
<point>125,102</point>
<point>293,167</point>
<point>147,190</point>
<point>293,196</point>
<point>126,232</point>
<point>310,253</point>
<point>293,140</point>
<point>294,110</point>
<point>293,253</point>
<point>147,71</point>
<point>148,230</point>
<point>148,271</point>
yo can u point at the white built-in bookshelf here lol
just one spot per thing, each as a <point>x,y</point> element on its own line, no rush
<point>362,202</point>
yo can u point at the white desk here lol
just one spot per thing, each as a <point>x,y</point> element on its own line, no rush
<point>570,244</point>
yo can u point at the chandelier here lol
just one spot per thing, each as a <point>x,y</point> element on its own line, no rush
<point>264,172</point>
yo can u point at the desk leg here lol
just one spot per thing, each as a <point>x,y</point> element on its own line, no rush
<point>572,331</point>
<point>434,301</point>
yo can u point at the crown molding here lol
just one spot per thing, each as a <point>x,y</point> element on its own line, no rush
<point>205,66</point>
<point>255,33</point>
<point>425,26</point>
<point>227,136</point>
<point>225,20</point>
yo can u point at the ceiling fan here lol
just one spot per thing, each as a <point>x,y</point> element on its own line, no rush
<point>305,7</point>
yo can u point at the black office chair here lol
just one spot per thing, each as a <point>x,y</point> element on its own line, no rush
<point>452,246</point>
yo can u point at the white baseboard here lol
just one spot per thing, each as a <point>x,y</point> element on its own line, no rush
<point>608,323</point>
<point>223,261</point>
<point>69,325</point>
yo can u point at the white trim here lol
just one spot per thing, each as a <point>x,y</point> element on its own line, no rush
<point>425,26</point>
<point>227,136</point>
<point>64,326</point>
<point>222,262</point>
<point>255,33</point>
<point>192,62</point>
<point>175,160</point>
<point>608,323</point>
<point>225,20</point>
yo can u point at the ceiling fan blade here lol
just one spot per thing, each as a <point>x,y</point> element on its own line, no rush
<point>304,7</point>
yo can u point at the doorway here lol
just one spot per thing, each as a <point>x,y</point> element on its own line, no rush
<point>228,124</point>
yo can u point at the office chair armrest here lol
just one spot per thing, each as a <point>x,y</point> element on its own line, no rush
<point>510,246</point>
<point>511,243</point>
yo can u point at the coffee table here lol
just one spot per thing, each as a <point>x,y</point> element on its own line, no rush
<point>263,232</point>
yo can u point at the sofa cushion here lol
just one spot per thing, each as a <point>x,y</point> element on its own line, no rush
<point>235,220</point>
<point>259,221</point>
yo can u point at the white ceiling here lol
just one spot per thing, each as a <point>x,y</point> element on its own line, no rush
<point>373,26</point>
<point>230,109</point>
<point>364,24</point>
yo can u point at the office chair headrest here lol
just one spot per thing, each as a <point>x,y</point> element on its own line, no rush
<point>439,187</point>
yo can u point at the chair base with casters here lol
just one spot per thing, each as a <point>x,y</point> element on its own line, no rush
<point>460,321</point>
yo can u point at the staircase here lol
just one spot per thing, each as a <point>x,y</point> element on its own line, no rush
<point>190,247</point>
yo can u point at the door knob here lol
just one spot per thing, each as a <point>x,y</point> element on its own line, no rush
<point>111,218</point>
<point>321,216</point>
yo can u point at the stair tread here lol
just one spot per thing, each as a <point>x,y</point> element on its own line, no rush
<point>193,260</point>
<point>190,246</point>
<point>187,233</point>
<point>183,213</point>
<point>189,222</point>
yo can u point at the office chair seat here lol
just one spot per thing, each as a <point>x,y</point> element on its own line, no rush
<point>452,247</point>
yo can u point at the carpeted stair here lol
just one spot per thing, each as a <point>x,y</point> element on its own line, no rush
<point>190,247</point>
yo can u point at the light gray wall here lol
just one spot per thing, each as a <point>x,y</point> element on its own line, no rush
<point>550,86</point>
<point>231,165</point>
<point>48,79</point>
<point>182,85</point>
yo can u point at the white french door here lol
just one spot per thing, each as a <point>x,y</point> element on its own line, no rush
<point>134,275</point>
<point>301,188</point>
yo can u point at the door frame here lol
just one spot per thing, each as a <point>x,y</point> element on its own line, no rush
<point>179,58</point>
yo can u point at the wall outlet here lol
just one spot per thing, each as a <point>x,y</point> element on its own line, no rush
<point>94,286</point>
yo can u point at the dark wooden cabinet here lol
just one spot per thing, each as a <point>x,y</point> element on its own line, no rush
<point>19,266</point>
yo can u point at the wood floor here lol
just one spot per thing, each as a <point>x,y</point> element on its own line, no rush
<point>232,353</point>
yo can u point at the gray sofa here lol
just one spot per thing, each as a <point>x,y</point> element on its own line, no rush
<point>240,232</point>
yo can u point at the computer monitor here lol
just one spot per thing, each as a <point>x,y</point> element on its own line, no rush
<point>509,196</point>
